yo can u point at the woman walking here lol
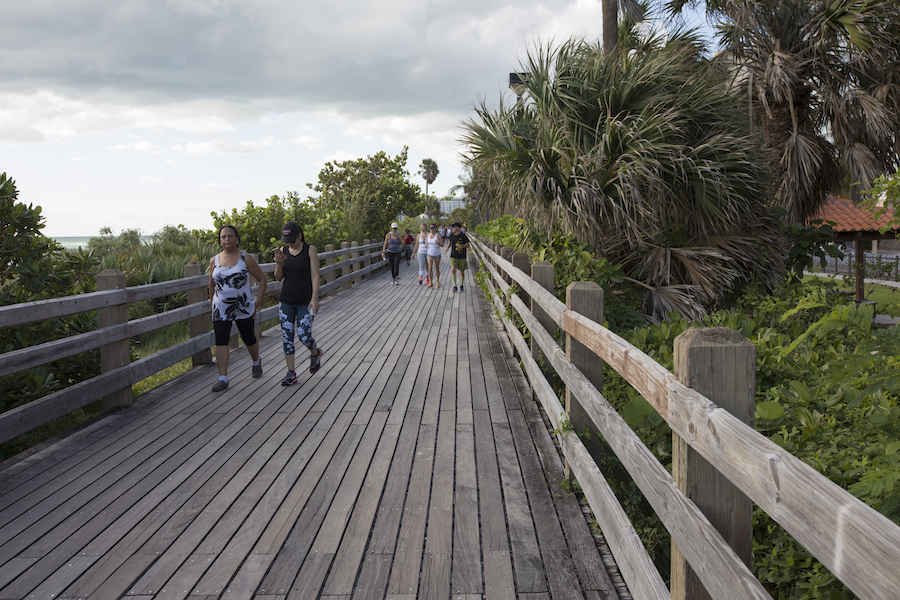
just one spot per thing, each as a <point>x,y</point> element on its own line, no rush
<point>422,252</point>
<point>392,246</point>
<point>231,301</point>
<point>434,243</point>
<point>297,263</point>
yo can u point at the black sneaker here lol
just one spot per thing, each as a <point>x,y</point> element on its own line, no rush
<point>454,289</point>
<point>315,361</point>
<point>219,386</point>
<point>462,288</point>
<point>256,370</point>
<point>289,379</point>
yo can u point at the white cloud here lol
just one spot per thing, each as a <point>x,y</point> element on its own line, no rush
<point>224,146</point>
<point>208,93</point>
<point>140,146</point>
<point>307,141</point>
<point>151,179</point>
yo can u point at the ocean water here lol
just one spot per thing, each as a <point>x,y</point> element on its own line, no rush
<point>71,243</point>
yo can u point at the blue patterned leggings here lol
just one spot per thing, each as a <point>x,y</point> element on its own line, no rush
<point>296,318</point>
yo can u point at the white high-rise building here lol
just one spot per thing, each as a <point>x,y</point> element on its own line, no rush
<point>448,206</point>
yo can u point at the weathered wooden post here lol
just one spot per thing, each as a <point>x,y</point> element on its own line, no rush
<point>116,354</point>
<point>366,261</point>
<point>355,256</point>
<point>542,273</point>
<point>329,276</point>
<point>585,298</point>
<point>719,363</point>
<point>345,270</point>
<point>200,324</point>
<point>521,261</point>
<point>506,254</point>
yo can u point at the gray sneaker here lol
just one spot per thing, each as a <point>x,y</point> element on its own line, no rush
<point>256,370</point>
<point>219,386</point>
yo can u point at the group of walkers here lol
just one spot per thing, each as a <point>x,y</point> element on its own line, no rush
<point>297,265</point>
<point>429,246</point>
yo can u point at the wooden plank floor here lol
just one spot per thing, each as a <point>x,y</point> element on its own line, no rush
<point>413,465</point>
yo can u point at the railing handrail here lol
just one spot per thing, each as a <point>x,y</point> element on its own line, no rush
<point>861,553</point>
<point>43,410</point>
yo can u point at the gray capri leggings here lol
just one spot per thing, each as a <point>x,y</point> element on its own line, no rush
<point>423,262</point>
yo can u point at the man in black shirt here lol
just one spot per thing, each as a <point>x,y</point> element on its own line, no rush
<point>459,246</point>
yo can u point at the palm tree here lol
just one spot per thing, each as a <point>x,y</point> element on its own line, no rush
<point>429,172</point>
<point>634,11</point>
<point>643,157</point>
<point>822,83</point>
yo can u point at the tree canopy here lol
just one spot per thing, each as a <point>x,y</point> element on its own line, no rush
<point>822,82</point>
<point>366,194</point>
<point>429,171</point>
<point>645,157</point>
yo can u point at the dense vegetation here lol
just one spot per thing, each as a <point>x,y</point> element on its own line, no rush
<point>827,391</point>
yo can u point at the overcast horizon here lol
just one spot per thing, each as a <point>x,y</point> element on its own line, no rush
<point>141,113</point>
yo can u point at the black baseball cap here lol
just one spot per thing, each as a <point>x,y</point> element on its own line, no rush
<point>289,232</point>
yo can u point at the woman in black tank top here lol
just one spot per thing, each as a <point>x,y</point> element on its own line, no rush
<point>297,264</point>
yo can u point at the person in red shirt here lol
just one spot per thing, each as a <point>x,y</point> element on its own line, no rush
<point>407,240</point>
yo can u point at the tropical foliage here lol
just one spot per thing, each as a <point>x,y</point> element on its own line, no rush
<point>260,226</point>
<point>821,80</point>
<point>33,267</point>
<point>429,171</point>
<point>646,159</point>
<point>363,196</point>
<point>827,391</point>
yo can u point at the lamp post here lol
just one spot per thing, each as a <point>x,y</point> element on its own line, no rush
<point>518,83</point>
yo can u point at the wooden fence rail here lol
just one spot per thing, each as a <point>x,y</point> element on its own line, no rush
<point>118,378</point>
<point>856,543</point>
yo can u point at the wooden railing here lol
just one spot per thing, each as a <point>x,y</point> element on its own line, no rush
<point>351,262</point>
<point>856,543</point>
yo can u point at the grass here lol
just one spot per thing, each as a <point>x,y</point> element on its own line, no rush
<point>886,298</point>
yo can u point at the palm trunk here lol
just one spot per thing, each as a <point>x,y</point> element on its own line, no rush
<point>610,15</point>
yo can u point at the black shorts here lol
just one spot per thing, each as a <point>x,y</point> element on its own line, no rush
<point>245,328</point>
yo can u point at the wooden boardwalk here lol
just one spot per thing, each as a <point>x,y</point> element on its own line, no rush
<point>415,464</point>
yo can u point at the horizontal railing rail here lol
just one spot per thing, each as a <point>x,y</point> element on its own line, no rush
<point>856,543</point>
<point>352,261</point>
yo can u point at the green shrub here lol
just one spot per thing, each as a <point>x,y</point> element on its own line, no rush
<point>827,391</point>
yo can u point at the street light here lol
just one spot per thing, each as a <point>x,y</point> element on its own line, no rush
<point>518,83</point>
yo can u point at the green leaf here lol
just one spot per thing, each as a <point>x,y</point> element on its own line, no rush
<point>636,411</point>
<point>770,410</point>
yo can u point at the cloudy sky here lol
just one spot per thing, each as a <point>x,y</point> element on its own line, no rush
<point>142,113</point>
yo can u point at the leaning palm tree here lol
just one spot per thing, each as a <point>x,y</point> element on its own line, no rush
<point>645,158</point>
<point>822,83</point>
<point>428,169</point>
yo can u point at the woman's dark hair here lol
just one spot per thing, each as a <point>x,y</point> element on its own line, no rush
<point>233,228</point>
<point>302,235</point>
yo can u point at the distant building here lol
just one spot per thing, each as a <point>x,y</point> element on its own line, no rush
<point>448,206</point>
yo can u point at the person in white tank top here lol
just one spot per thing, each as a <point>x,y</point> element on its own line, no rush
<point>421,243</point>
<point>434,244</point>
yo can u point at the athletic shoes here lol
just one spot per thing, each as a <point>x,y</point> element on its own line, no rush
<point>462,288</point>
<point>315,362</point>
<point>289,379</point>
<point>454,289</point>
<point>420,281</point>
<point>256,370</point>
<point>220,385</point>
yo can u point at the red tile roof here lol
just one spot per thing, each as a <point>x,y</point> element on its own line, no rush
<point>850,218</point>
